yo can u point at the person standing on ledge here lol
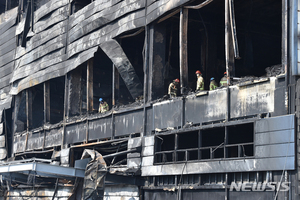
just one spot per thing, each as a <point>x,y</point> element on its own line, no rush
<point>103,106</point>
<point>213,84</point>
<point>223,81</point>
<point>200,81</point>
<point>173,88</point>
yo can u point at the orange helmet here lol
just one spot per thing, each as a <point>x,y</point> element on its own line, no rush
<point>225,73</point>
<point>177,80</point>
<point>198,72</point>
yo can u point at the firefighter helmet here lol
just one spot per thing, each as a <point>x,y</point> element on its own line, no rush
<point>198,72</point>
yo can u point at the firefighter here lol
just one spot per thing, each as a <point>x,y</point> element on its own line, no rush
<point>103,106</point>
<point>213,84</point>
<point>173,88</point>
<point>223,81</point>
<point>200,81</point>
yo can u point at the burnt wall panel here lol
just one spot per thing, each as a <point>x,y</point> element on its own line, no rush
<point>252,99</point>
<point>279,96</point>
<point>102,15</point>
<point>100,128</point>
<point>205,108</point>
<point>75,133</point>
<point>53,137</point>
<point>19,143</point>
<point>168,113</point>
<point>35,141</point>
<point>149,120</point>
<point>129,122</point>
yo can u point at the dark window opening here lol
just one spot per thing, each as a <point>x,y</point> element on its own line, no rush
<point>188,140</point>
<point>259,35</point>
<point>133,48</point>
<point>35,103</point>
<point>77,103</point>
<point>213,137</point>
<point>21,121</point>
<point>37,106</point>
<point>102,79</point>
<point>57,91</point>
<point>240,140</point>
<point>165,142</point>
<point>172,68</point>
<point>213,143</point>
<point>79,4</point>
<point>8,4</point>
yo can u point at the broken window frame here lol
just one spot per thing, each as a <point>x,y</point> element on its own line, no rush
<point>171,155</point>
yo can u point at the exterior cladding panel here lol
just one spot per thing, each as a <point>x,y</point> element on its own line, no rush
<point>168,114</point>
<point>128,123</point>
<point>205,108</point>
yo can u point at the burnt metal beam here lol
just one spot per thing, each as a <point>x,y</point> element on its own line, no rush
<point>46,101</point>
<point>183,50</point>
<point>89,85</point>
<point>116,86</point>
<point>122,152</point>
<point>233,30</point>
<point>157,60</point>
<point>146,78</point>
<point>29,109</point>
<point>115,52</point>
<point>227,57</point>
<point>227,40</point>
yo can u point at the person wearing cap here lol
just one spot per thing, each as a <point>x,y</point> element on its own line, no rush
<point>213,84</point>
<point>200,81</point>
<point>103,106</point>
<point>223,81</point>
<point>173,88</point>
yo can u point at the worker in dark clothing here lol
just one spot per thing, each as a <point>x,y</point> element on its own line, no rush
<point>200,81</point>
<point>213,84</point>
<point>173,88</point>
<point>223,81</point>
<point>103,106</point>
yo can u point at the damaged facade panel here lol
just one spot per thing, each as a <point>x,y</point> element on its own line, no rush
<point>85,110</point>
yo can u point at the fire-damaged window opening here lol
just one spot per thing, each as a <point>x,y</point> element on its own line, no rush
<point>57,92</point>
<point>43,103</point>
<point>200,180</point>
<point>79,4</point>
<point>106,150</point>
<point>132,44</point>
<point>215,143</point>
<point>102,80</point>
<point>7,5</point>
<point>258,40</point>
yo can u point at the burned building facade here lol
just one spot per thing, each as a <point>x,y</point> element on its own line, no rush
<point>59,57</point>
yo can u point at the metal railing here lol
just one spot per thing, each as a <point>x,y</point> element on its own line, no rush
<point>205,153</point>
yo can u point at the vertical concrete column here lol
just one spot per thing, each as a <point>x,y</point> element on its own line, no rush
<point>183,50</point>
<point>89,85</point>
<point>46,101</point>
